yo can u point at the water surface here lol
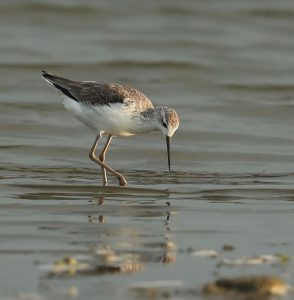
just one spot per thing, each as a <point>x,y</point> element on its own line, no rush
<point>225,66</point>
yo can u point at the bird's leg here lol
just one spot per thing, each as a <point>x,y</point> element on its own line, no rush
<point>102,158</point>
<point>92,155</point>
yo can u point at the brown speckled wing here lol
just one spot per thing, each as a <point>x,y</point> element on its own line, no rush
<point>98,94</point>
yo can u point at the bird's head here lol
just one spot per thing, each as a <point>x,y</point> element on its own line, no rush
<point>168,123</point>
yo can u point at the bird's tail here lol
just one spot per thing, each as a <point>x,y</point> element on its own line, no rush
<point>62,84</point>
<point>55,79</point>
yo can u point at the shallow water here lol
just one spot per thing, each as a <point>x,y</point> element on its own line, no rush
<point>225,66</point>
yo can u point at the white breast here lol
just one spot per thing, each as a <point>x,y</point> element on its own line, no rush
<point>116,119</point>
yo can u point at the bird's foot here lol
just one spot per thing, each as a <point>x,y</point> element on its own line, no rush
<point>122,181</point>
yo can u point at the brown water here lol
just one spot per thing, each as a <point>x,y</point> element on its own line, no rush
<point>227,68</point>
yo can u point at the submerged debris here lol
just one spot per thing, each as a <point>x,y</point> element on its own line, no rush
<point>255,260</point>
<point>228,248</point>
<point>241,288</point>
<point>71,266</point>
<point>247,285</point>
<point>204,253</point>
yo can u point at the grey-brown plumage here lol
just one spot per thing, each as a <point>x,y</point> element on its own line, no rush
<point>95,93</point>
<point>116,110</point>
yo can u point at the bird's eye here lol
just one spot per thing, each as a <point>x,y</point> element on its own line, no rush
<point>164,124</point>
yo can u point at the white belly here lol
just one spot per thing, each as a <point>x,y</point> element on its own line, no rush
<point>114,119</point>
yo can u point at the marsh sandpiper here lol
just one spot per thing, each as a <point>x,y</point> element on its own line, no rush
<point>116,110</point>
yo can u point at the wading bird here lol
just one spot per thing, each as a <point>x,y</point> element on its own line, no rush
<point>116,110</point>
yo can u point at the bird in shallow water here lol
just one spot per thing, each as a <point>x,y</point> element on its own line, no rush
<point>116,110</point>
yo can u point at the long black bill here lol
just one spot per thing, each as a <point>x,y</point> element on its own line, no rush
<point>168,138</point>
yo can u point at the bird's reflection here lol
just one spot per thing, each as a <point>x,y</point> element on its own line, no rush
<point>98,201</point>
<point>137,253</point>
<point>122,238</point>
<point>96,219</point>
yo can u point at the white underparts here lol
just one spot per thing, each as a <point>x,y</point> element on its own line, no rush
<point>116,119</point>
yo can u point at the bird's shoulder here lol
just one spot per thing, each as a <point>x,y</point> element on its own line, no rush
<point>131,96</point>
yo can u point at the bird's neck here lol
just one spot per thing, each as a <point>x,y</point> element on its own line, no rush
<point>147,121</point>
